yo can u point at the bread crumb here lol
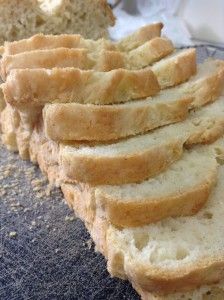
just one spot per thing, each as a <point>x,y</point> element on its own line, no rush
<point>69,219</point>
<point>12,234</point>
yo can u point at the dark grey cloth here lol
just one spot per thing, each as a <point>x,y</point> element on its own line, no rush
<point>51,256</point>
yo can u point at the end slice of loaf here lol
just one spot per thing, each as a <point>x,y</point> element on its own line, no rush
<point>21,19</point>
<point>141,157</point>
<point>40,86</point>
<point>98,59</point>
<point>109,122</point>
<point>176,254</point>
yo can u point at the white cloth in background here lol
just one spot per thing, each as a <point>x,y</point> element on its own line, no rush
<point>132,14</point>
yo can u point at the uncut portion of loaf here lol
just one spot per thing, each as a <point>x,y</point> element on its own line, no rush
<point>41,42</point>
<point>40,86</point>
<point>140,157</point>
<point>176,254</point>
<point>20,19</point>
<point>64,122</point>
<point>98,59</point>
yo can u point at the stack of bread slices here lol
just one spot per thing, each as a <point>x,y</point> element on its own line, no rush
<point>132,132</point>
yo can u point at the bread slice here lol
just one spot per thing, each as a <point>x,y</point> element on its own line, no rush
<point>20,19</point>
<point>176,68</point>
<point>41,42</point>
<point>67,122</point>
<point>102,60</point>
<point>40,86</point>
<point>49,42</point>
<point>204,292</point>
<point>73,121</point>
<point>174,255</point>
<point>141,157</point>
<point>139,37</point>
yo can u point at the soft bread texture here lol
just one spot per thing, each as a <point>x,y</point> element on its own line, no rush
<point>64,122</point>
<point>143,156</point>
<point>40,86</point>
<point>20,19</point>
<point>98,59</point>
<point>74,85</point>
<point>41,42</point>
<point>175,254</point>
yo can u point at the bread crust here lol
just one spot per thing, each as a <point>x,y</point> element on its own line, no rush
<point>97,59</point>
<point>139,37</point>
<point>176,69</point>
<point>110,122</point>
<point>120,169</point>
<point>40,41</point>
<point>211,292</point>
<point>124,120</point>
<point>137,213</point>
<point>40,86</point>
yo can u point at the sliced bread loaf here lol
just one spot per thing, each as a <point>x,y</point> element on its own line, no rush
<point>40,86</point>
<point>101,60</point>
<point>109,122</point>
<point>40,41</point>
<point>176,254</point>
<point>140,157</point>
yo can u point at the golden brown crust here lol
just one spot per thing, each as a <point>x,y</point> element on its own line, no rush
<point>110,122</point>
<point>41,42</point>
<point>120,169</point>
<point>206,271</point>
<point>211,292</point>
<point>209,88</point>
<point>137,213</point>
<point>40,86</point>
<point>139,37</point>
<point>176,69</point>
<point>100,59</point>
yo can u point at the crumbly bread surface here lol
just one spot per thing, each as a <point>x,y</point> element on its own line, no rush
<point>21,19</point>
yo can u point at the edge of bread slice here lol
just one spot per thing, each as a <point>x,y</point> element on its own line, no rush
<point>40,86</point>
<point>100,59</point>
<point>41,41</point>
<point>140,157</point>
<point>65,122</point>
<point>176,254</point>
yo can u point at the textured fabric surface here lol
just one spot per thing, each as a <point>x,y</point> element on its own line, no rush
<point>46,252</point>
